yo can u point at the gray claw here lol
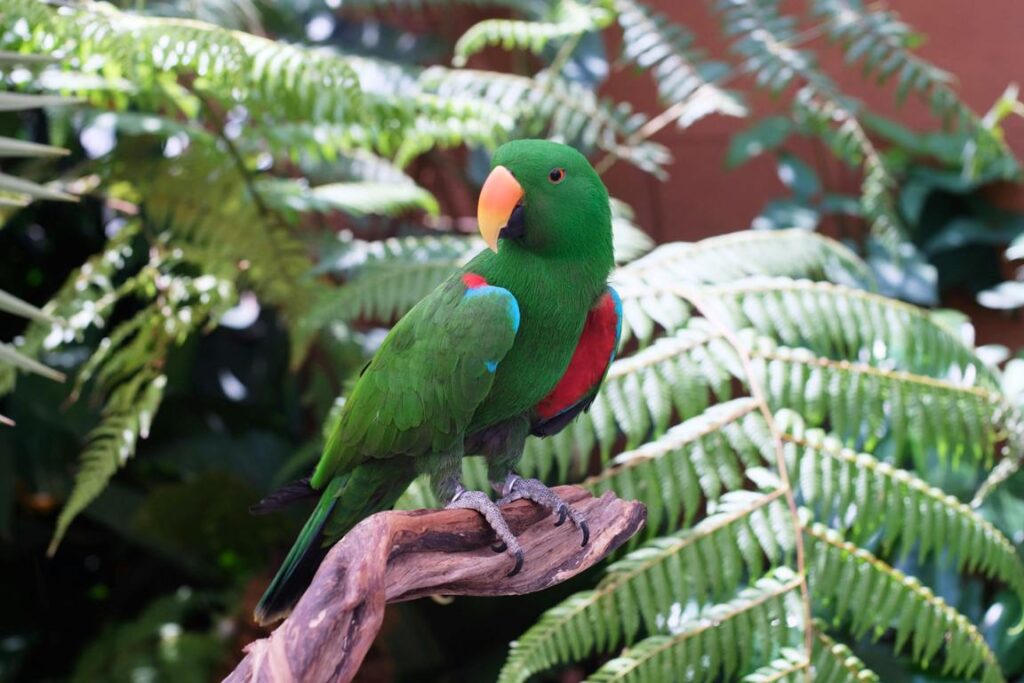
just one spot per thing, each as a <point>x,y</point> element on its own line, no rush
<point>519,563</point>
<point>562,512</point>
<point>516,487</point>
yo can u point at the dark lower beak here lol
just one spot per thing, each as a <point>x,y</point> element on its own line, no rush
<point>516,226</point>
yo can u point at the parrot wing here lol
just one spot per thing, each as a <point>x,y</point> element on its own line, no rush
<point>433,370</point>
<point>594,354</point>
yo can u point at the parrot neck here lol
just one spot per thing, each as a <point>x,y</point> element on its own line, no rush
<point>568,285</point>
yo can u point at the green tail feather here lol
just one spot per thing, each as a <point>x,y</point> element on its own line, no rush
<point>348,499</point>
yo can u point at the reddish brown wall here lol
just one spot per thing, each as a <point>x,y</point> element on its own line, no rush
<point>980,43</point>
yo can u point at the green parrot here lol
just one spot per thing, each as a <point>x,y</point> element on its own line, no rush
<point>515,343</point>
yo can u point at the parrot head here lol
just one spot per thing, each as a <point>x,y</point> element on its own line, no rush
<point>545,197</point>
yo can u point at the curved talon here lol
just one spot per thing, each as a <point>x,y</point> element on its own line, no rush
<point>586,533</point>
<point>519,563</point>
<point>563,511</point>
<point>500,547</point>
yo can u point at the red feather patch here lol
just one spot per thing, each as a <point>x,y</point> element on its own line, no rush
<point>474,281</point>
<point>589,360</point>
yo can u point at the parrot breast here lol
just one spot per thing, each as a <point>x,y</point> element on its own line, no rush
<point>589,361</point>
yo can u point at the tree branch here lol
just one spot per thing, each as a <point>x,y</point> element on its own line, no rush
<point>398,556</point>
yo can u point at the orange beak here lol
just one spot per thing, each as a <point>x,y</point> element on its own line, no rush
<point>498,198</point>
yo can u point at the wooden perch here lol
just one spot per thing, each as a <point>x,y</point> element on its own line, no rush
<point>396,556</point>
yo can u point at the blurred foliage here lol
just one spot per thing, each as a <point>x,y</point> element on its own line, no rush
<point>265,185</point>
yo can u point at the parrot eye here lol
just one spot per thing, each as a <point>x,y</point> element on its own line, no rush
<point>556,175</point>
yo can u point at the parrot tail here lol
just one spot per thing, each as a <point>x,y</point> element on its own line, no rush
<point>348,499</point>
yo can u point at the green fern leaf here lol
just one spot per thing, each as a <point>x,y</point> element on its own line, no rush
<point>789,667</point>
<point>718,260</point>
<point>683,76</point>
<point>865,496</point>
<point>864,404</point>
<point>761,615</point>
<point>549,105</point>
<point>355,198</point>
<point>835,663</point>
<point>628,238</point>
<point>840,322</point>
<point>888,599</point>
<point>564,19</point>
<point>126,418</point>
<point>696,461</point>
<point>389,277</point>
<point>707,561</point>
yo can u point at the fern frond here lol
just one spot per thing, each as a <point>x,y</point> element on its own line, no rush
<point>874,596</point>
<point>864,404</point>
<point>695,461</point>
<point>878,40</point>
<point>445,121</point>
<point>388,277</point>
<point>680,71</point>
<point>225,230</point>
<point>628,239</point>
<point>126,418</point>
<point>549,105</point>
<point>767,38</point>
<point>864,496</point>
<point>565,19</point>
<point>721,640</point>
<point>272,79</point>
<point>355,198</point>
<point>840,322</point>
<point>835,122</point>
<point>789,667</point>
<point>638,592</point>
<point>835,663</point>
<point>723,259</point>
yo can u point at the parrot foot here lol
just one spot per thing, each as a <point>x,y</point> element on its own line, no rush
<point>531,489</point>
<point>479,501</point>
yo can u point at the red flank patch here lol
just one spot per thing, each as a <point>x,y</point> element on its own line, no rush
<point>589,361</point>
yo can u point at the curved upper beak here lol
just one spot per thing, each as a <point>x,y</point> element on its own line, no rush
<point>498,198</point>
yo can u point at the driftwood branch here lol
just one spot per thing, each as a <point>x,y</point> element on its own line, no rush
<point>396,556</point>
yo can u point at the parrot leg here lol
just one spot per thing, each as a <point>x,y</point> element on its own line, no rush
<point>445,477</point>
<point>531,489</point>
<point>479,501</point>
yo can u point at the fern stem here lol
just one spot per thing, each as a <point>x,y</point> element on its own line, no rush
<point>784,673</point>
<point>757,392</point>
<point>673,112</point>
<point>250,183</point>
<point>861,368</point>
<point>563,54</point>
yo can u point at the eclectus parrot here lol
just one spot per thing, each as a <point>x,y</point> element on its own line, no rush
<point>515,343</point>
